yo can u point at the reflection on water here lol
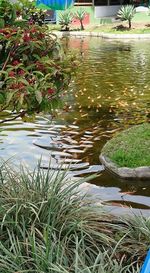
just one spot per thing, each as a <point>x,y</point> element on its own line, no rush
<point>110,92</point>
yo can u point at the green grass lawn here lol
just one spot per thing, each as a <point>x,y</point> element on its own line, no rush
<point>131,148</point>
<point>141,17</point>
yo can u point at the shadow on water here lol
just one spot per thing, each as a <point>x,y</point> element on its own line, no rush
<point>110,92</point>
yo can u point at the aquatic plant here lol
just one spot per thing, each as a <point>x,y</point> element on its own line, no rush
<point>47,225</point>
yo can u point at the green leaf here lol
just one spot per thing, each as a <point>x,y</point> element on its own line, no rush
<point>24,57</point>
<point>23,81</point>
<point>48,76</point>
<point>21,98</point>
<point>38,73</point>
<point>1,99</point>
<point>9,97</point>
<point>38,96</point>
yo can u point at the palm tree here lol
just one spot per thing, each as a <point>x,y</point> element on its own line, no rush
<point>80,15</point>
<point>65,19</point>
<point>127,13</point>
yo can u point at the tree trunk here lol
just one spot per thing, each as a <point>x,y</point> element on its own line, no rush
<point>66,28</point>
<point>129,23</point>
<point>82,27</point>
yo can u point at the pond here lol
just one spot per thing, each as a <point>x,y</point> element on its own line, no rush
<point>110,92</point>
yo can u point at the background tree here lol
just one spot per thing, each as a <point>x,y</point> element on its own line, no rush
<point>127,13</point>
<point>65,19</point>
<point>80,15</point>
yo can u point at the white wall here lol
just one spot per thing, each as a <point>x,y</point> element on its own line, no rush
<point>104,11</point>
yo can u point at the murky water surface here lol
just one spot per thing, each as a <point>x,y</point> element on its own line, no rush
<point>110,92</point>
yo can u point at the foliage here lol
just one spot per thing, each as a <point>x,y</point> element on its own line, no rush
<point>2,23</point>
<point>22,5</point>
<point>130,148</point>
<point>33,74</point>
<point>80,15</point>
<point>127,13</point>
<point>7,12</point>
<point>65,19</point>
<point>36,16</point>
<point>27,10</point>
<point>48,226</point>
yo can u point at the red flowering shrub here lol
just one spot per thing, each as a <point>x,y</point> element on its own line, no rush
<point>33,74</point>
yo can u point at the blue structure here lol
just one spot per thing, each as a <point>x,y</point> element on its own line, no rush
<point>146,265</point>
<point>54,4</point>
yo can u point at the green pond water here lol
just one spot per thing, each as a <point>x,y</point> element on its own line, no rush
<point>110,92</point>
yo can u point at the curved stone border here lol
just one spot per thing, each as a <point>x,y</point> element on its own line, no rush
<point>125,36</point>
<point>124,172</point>
<point>102,35</point>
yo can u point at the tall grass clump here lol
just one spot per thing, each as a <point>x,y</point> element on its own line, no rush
<point>47,226</point>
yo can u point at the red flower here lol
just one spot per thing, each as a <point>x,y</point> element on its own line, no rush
<point>31,22</point>
<point>21,85</point>
<point>41,36</point>
<point>14,86</point>
<point>21,72</point>
<point>50,91</point>
<point>11,74</point>
<point>14,31</point>
<point>31,81</point>
<point>7,36</point>
<point>26,37</point>
<point>4,31</point>
<point>40,66</point>
<point>18,13</point>
<point>33,30</point>
<point>12,54</point>
<point>15,63</point>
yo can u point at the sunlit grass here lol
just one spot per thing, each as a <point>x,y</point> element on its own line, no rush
<point>130,148</point>
<point>112,28</point>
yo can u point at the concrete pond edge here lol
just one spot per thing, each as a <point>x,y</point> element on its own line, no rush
<point>61,34</point>
<point>124,172</point>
